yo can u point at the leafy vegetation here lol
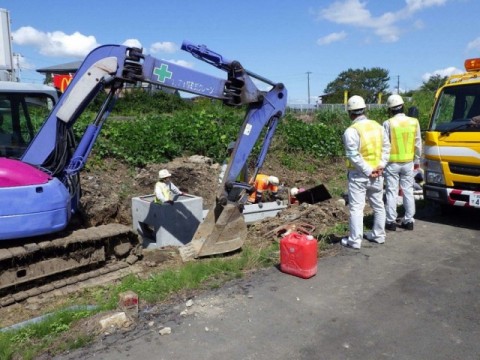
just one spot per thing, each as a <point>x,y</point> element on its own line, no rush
<point>158,131</point>
<point>423,100</point>
<point>368,83</point>
<point>204,127</point>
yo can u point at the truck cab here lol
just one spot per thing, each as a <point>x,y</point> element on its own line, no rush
<point>23,109</point>
<point>452,142</point>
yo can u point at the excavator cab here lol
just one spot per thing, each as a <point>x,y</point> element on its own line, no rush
<point>23,110</point>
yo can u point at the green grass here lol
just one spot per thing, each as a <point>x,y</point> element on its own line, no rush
<point>33,339</point>
<point>28,341</point>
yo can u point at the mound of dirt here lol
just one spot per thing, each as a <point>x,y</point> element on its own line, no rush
<point>108,190</point>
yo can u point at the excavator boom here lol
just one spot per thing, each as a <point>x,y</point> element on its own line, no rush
<point>52,159</point>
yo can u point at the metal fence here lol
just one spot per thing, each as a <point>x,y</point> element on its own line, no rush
<point>312,108</point>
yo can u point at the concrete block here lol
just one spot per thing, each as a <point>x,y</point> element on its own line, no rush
<point>128,303</point>
<point>165,224</point>
<point>255,212</point>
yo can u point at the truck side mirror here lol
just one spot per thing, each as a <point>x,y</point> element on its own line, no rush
<point>413,112</point>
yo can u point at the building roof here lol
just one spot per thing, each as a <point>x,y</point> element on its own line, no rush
<point>66,68</point>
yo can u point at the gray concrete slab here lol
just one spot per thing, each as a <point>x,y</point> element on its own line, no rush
<point>415,297</point>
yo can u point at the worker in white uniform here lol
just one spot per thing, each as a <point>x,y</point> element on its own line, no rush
<point>165,189</point>
<point>367,151</point>
<point>406,149</point>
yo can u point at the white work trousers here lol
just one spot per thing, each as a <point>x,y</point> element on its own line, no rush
<point>399,174</point>
<point>361,187</point>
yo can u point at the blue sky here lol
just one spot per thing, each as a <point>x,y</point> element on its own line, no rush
<point>278,39</point>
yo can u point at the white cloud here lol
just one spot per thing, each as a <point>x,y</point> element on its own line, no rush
<point>474,45</point>
<point>442,72</point>
<point>55,43</point>
<point>331,38</point>
<point>164,47</point>
<point>133,43</point>
<point>416,5</point>
<point>355,13</point>
<point>346,12</point>
<point>183,63</point>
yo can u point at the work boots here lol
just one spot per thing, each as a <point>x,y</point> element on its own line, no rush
<point>391,226</point>
<point>407,226</point>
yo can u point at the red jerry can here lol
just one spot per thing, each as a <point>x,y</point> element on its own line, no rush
<point>298,255</point>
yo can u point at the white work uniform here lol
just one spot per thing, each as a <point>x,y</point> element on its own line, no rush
<point>361,186</point>
<point>401,173</point>
<point>165,191</point>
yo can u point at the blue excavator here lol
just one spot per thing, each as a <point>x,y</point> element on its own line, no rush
<point>40,160</point>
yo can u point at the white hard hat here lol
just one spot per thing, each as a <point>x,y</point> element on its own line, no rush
<point>394,101</point>
<point>294,191</point>
<point>164,173</point>
<point>273,180</point>
<point>355,103</point>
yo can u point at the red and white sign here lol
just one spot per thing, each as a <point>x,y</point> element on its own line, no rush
<point>62,81</point>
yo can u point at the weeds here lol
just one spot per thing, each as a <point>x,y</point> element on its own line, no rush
<point>31,340</point>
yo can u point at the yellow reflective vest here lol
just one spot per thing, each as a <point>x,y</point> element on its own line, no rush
<point>402,137</point>
<point>371,142</point>
<point>163,190</point>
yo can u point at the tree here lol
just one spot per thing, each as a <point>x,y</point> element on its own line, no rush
<point>48,79</point>
<point>433,83</point>
<point>368,83</point>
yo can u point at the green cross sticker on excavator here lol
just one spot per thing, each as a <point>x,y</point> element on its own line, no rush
<point>162,73</point>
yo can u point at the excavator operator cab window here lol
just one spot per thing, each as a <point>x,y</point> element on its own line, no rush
<point>21,116</point>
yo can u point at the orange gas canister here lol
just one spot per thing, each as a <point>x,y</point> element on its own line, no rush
<point>298,255</point>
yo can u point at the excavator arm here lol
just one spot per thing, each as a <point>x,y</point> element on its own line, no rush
<point>110,68</point>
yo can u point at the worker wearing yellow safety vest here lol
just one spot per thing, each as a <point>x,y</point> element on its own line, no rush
<point>367,151</point>
<point>165,189</point>
<point>406,149</point>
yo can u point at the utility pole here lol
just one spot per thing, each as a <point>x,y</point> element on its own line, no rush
<point>16,69</point>
<point>308,85</point>
<point>398,84</point>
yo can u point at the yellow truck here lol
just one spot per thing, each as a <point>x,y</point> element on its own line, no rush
<point>452,142</point>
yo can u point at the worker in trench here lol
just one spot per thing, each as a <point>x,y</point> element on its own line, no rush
<point>264,185</point>
<point>165,189</point>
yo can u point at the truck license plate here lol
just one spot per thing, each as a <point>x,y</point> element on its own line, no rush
<point>475,199</point>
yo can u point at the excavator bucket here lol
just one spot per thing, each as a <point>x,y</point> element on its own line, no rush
<point>223,230</point>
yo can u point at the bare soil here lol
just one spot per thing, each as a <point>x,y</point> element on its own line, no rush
<point>107,190</point>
